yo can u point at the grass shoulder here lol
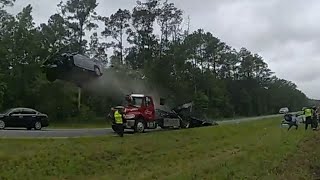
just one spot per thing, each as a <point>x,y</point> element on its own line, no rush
<point>251,150</point>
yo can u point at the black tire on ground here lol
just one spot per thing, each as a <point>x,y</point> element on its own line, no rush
<point>139,126</point>
<point>51,76</point>
<point>2,124</point>
<point>37,125</point>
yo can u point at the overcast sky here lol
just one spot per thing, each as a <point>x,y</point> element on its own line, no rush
<point>285,32</point>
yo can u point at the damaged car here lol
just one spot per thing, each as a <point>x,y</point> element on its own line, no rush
<point>72,67</point>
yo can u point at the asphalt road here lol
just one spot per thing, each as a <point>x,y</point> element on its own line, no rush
<point>73,133</point>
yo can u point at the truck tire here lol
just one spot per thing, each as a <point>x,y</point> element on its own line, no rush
<point>139,126</point>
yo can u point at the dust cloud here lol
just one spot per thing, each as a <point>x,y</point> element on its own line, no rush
<point>116,84</point>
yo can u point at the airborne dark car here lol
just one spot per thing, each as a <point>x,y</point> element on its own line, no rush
<point>72,67</point>
<point>23,117</point>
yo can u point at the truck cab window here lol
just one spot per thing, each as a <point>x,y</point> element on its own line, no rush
<point>148,101</point>
<point>137,102</point>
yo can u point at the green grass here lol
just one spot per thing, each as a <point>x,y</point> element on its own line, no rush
<point>252,150</point>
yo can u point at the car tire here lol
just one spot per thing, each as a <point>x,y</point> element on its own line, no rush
<point>139,126</point>
<point>51,76</point>
<point>97,71</point>
<point>37,125</point>
<point>2,124</point>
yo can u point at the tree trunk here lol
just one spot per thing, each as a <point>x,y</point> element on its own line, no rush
<point>80,38</point>
<point>79,98</point>
<point>121,47</point>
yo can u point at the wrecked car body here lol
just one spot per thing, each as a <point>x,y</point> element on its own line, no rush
<point>186,115</point>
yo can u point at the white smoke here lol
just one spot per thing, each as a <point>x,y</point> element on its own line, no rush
<point>117,84</point>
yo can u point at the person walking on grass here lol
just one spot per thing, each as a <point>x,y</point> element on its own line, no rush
<point>293,122</point>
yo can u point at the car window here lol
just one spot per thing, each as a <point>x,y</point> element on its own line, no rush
<point>16,111</point>
<point>27,111</point>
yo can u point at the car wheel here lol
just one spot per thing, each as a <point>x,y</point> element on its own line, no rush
<point>2,124</point>
<point>97,71</point>
<point>139,126</point>
<point>38,125</point>
<point>51,76</point>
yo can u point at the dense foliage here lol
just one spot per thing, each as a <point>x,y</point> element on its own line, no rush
<point>183,66</point>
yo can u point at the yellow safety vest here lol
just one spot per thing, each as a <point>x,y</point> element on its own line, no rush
<point>308,112</point>
<point>118,117</point>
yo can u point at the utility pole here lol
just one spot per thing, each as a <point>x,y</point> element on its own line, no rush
<point>79,98</point>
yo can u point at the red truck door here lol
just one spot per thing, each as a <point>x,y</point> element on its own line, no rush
<point>149,110</point>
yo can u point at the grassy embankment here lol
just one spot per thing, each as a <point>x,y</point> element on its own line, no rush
<point>252,150</point>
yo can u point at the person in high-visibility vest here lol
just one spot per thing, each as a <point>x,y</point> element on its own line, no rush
<point>308,112</point>
<point>119,122</point>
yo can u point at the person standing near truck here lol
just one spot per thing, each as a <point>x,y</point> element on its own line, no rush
<point>308,112</point>
<point>118,122</point>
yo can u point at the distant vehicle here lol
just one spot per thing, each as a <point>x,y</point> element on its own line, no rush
<point>23,117</point>
<point>284,110</point>
<point>57,66</point>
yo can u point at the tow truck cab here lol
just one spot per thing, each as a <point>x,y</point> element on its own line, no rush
<point>139,113</point>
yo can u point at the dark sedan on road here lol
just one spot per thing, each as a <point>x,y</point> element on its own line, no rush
<point>23,118</point>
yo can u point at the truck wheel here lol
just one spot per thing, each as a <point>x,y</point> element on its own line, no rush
<point>139,127</point>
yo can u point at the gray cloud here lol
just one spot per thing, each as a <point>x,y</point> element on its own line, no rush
<point>284,32</point>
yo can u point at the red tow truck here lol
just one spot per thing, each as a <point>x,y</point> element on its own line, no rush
<point>139,114</point>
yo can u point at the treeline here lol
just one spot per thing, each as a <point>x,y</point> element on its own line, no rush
<point>192,66</point>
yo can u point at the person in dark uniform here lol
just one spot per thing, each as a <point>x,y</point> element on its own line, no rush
<point>293,122</point>
<point>314,118</point>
